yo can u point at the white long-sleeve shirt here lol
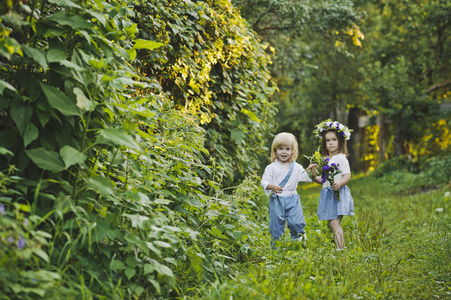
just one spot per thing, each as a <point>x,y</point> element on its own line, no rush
<point>275,173</point>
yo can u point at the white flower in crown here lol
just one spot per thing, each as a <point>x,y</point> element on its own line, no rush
<point>328,124</point>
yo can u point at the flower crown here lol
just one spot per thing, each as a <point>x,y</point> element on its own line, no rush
<point>332,125</point>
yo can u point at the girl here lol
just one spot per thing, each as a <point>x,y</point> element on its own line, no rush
<point>334,136</point>
<point>280,179</point>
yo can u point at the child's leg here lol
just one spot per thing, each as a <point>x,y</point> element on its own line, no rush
<point>276,218</point>
<point>335,227</point>
<point>295,217</point>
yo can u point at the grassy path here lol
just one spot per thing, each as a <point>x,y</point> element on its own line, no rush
<point>398,247</point>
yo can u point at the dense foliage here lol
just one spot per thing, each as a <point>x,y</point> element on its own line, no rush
<point>214,67</point>
<point>107,188</point>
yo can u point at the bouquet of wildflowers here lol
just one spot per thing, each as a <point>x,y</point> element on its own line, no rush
<point>326,171</point>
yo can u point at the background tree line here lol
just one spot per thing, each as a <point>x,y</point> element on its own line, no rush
<point>389,67</point>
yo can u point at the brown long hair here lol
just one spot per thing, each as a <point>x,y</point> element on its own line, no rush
<point>342,147</point>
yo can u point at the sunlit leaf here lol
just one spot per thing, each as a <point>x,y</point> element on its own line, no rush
<point>5,85</point>
<point>5,151</point>
<point>83,102</point>
<point>145,44</point>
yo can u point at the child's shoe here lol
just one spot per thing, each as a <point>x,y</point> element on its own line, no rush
<point>302,238</point>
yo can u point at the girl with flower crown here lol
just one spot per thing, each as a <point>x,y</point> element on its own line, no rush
<point>332,208</point>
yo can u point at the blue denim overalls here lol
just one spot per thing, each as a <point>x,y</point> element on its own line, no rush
<point>285,208</point>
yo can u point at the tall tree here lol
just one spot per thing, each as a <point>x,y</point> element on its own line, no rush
<point>406,66</point>
<point>312,42</point>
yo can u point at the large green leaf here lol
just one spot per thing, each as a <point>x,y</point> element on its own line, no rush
<point>31,133</point>
<point>138,221</point>
<point>55,55</point>
<point>117,265</point>
<point>75,22</point>
<point>36,55</point>
<point>9,46</point>
<point>72,156</point>
<point>163,270</point>
<point>60,101</point>
<point>21,114</point>
<point>104,186</point>
<point>66,3</point>
<point>99,16</point>
<point>237,135</point>
<point>45,159</point>
<point>5,151</point>
<point>145,44</point>
<point>4,84</point>
<point>116,137</point>
<point>82,101</point>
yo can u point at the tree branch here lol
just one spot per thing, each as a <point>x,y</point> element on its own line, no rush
<point>438,86</point>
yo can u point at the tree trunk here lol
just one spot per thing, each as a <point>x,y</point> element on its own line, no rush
<point>382,137</point>
<point>398,142</point>
<point>354,142</point>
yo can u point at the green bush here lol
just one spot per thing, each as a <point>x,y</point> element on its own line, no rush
<point>116,182</point>
<point>436,171</point>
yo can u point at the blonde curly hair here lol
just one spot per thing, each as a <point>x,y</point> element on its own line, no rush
<point>284,139</point>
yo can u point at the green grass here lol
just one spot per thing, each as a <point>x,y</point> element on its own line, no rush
<point>397,247</point>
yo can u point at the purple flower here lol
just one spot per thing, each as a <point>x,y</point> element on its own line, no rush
<point>21,243</point>
<point>11,240</point>
<point>326,168</point>
<point>323,177</point>
<point>2,209</point>
<point>326,160</point>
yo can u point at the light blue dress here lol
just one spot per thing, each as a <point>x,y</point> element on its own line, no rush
<point>329,208</point>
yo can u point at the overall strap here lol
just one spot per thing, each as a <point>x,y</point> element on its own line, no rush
<point>285,180</point>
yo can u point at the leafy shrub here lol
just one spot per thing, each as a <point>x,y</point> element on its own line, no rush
<point>436,170</point>
<point>115,180</point>
<point>398,163</point>
<point>216,68</point>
